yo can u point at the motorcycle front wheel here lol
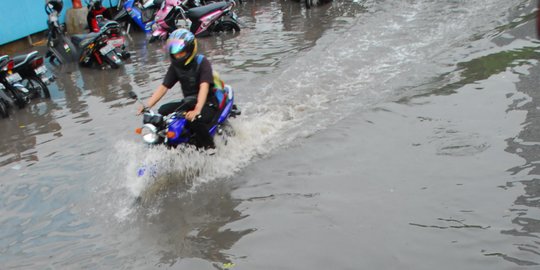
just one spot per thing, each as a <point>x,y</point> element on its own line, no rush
<point>37,88</point>
<point>4,113</point>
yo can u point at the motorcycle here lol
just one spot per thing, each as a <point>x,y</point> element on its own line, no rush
<point>165,21</point>
<point>171,130</point>
<point>104,48</point>
<point>141,15</point>
<point>33,72</point>
<point>4,103</point>
<point>59,47</point>
<point>13,92</point>
<point>214,17</point>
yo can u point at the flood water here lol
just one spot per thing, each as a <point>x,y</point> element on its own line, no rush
<point>373,135</point>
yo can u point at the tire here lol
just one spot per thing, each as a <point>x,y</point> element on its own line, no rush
<point>37,88</point>
<point>19,97</point>
<point>310,3</point>
<point>4,113</point>
<point>227,26</point>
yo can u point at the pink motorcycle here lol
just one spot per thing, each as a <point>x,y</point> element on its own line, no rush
<point>214,17</point>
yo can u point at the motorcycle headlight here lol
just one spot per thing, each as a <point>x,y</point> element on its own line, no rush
<point>149,134</point>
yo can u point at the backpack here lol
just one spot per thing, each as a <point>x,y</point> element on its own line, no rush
<point>219,85</point>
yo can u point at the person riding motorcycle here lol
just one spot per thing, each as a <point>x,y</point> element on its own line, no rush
<point>194,72</point>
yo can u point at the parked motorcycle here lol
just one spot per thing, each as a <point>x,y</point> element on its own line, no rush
<point>60,48</point>
<point>4,103</point>
<point>214,17</point>
<point>33,72</point>
<point>104,48</point>
<point>141,15</point>
<point>172,131</point>
<point>13,90</point>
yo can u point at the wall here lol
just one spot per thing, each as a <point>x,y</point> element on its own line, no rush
<point>21,18</point>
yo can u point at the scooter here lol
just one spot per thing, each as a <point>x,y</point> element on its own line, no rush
<point>60,48</point>
<point>103,49</point>
<point>166,17</point>
<point>214,17</point>
<point>134,11</point>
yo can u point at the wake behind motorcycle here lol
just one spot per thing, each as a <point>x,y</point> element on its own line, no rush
<point>173,130</point>
<point>201,20</point>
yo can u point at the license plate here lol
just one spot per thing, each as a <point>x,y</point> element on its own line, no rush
<point>41,70</point>
<point>105,50</point>
<point>13,78</point>
<point>116,42</point>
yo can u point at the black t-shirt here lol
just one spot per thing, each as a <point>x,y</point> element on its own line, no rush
<point>190,77</point>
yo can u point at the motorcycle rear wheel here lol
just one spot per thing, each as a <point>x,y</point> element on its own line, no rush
<point>37,88</point>
<point>227,26</point>
<point>19,97</point>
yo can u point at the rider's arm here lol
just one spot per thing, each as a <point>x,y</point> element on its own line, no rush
<point>157,95</point>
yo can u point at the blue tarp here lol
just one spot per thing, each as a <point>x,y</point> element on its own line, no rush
<point>21,18</point>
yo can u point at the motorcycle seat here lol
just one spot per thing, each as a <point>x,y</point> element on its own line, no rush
<point>197,12</point>
<point>21,60</point>
<point>81,40</point>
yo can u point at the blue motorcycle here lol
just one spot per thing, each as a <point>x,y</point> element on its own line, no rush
<point>172,131</point>
<point>134,11</point>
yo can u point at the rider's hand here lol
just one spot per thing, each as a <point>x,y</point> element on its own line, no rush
<point>191,115</point>
<point>140,110</point>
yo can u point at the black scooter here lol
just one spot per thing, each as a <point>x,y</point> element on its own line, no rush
<point>33,72</point>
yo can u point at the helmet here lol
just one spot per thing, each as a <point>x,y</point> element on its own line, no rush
<point>182,40</point>
<point>55,5</point>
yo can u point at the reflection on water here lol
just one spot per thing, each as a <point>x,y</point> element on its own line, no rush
<point>19,132</point>
<point>524,211</point>
<point>192,225</point>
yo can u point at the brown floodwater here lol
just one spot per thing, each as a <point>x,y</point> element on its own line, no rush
<point>373,135</point>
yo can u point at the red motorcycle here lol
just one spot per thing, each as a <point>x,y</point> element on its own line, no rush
<point>97,15</point>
